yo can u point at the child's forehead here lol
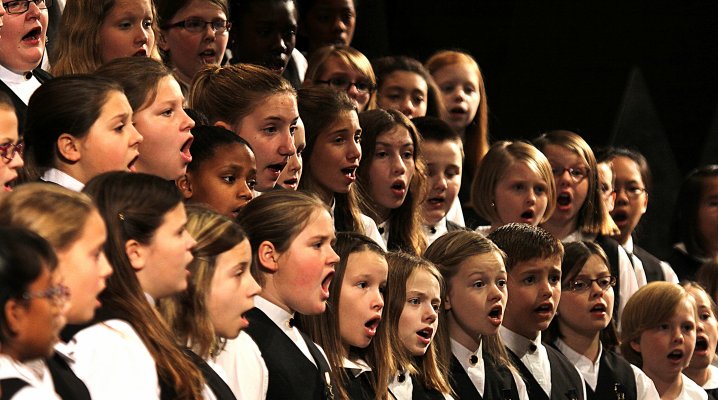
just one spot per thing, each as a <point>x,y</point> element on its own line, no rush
<point>551,263</point>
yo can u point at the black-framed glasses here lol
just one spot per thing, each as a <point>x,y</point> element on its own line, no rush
<point>198,25</point>
<point>57,294</point>
<point>577,174</point>
<point>344,84</point>
<point>9,150</point>
<point>21,6</point>
<point>632,192</point>
<point>583,284</point>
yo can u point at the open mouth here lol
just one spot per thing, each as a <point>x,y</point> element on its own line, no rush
<point>398,188</point>
<point>425,333</point>
<point>457,111</point>
<point>436,201</point>
<point>291,182</point>
<point>495,314</point>
<point>208,56</point>
<point>544,309</point>
<point>598,308</point>
<point>7,187</point>
<point>372,325</point>
<point>349,173</point>
<point>184,151</point>
<point>701,344</point>
<point>675,355</point>
<point>131,164</point>
<point>140,53</point>
<point>527,215</point>
<point>619,216</point>
<point>277,168</point>
<point>563,199</point>
<point>276,64</point>
<point>33,34</point>
<point>325,285</point>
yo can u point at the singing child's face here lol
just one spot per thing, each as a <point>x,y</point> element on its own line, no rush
<point>391,170</point>
<point>535,288</point>
<point>404,91</point>
<point>571,189</point>
<point>306,268</point>
<point>112,143</point>
<point>165,151</point>
<point>419,318</point>
<point>586,312</point>
<point>330,22</point>
<point>706,330</point>
<point>362,298</point>
<point>162,271</point>
<point>84,269</point>
<point>476,298</point>
<point>269,129</point>
<point>8,140</point>
<point>667,348</point>
<point>336,69</point>
<point>444,163</point>
<point>224,182</point>
<point>232,291</point>
<point>631,198</point>
<point>127,31</point>
<point>336,154</point>
<point>292,172</point>
<point>520,195</point>
<point>459,84</point>
<point>605,184</point>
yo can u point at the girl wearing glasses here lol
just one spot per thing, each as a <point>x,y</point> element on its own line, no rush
<point>343,69</point>
<point>10,146</point>
<point>632,182</point>
<point>192,33</point>
<point>515,184</point>
<point>114,28</point>
<point>583,329</point>
<point>32,314</point>
<point>580,212</point>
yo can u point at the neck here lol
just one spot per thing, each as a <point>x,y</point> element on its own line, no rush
<point>382,214</point>
<point>668,389</point>
<point>466,339</point>
<point>74,170</point>
<point>698,375</point>
<point>559,229</point>
<point>271,295</point>
<point>622,238</point>
<point>584,344</point>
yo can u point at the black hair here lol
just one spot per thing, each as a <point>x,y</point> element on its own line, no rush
<point>207,139</point>
<point>435,129</point>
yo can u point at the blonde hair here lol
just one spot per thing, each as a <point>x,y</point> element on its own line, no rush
<point>350,57</point>
<point>492,168</point>
<point>447,253</point>
<point>82,19</point>
<point>477,133</point>
<point>186,312</point>
<point>232,92</point>
<point>647,308</point>
<point>431,371</point>
<point>55,213</point>
<point>593,217</point>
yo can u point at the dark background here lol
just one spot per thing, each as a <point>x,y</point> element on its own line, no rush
<point>633,74</point>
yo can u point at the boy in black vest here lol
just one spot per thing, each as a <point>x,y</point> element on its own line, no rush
<point>534,281</point>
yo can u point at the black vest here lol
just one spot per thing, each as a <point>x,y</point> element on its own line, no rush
<point>67,385</point>
<point>566,383</point>
<point>218,386</point>
<point>684,265</point>
<point>359,387</point>
<point>291,375</point>
<point>651,265</point>
<point>10,386</point>
<point>420,392</point>
<point>498,382</point>
<point>712,394</point>
<point>20,107</point>
<point>615,377</point>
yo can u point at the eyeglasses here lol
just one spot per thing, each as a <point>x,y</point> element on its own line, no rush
<point>632,192</point>
<point>57,294</point>
<point>21,6</point>
<point>583,284</point>
<point>577,174</point>
<point>344,84</point>
<point>9,150</point>
<point>197,25</point>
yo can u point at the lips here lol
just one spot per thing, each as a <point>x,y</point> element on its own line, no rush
<point>140,53</point>
<point>701,344</point>
<point>291,183</point>
<point>620,217</point>
<point>425,335</point>
<point>7,187</point>
<point>350,173</point>
<point>208,56</point>
<point>527,216</point>
<point>277,168</point>
<point>496,315</point>
<point>598,310</point>
<point>33,36</point>
<point>398,189</point>
<point>457,111</point>
<point>372,325</point>
<point>184,151</point>
<point>131,164</point>
<point>675,356</point>
<point>277,64</point>
<point>325,285</point>
<point>563,201</point>
<point>544,310</point>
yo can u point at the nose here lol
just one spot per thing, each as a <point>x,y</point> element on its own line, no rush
<point>339,25</point>
<point>378,301</point>
<point>495,293</point>
<point>254,288</point>
<point>104,266</point>
<point>352,91</point>
<point>398,167</point>
<point>142,36</point>
<point>190,241</point>
<point>531,198</point>
<point>135,136</point>
<point>33,10</point>
<point>279,43</point>
<point>333,256</point>
<point>293,164</point>
<point>16,162</point>
<point>407,107</point>
<point>441,183</point>
<point>354,152</point>
<point>244,191</point>
<point>187,122</point>
<point>621,196</point>
<point>286,147</point>
<point>431,314</point>
<point>209,33</point>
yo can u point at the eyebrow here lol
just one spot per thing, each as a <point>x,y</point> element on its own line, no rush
<point>406,144</point>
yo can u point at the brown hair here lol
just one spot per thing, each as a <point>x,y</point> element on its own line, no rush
<point>492,168</point>
<point>685,216</point>
<point>324,328</point>
<point>405,223</point>
<point>431,371</point>
<point>232,92</point>
<point>81,21</point>
<point>138,76</point>
<point>523,242</point>
<point>385,66</point>
<point>186,312</point>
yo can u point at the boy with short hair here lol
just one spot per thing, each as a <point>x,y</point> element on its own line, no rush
<point>533,263</point>
<point>443,153</point>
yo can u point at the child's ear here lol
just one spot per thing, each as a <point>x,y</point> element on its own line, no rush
<point>184,183</point>
<point>267,256</point>
<point>136,253</point>
<point>162,42</point>
<point>14,315</point>
<point>68,148</point>
<point>224,125</point>
<point>447,303</point>
<point>644,206</point>
<point>636,346</point>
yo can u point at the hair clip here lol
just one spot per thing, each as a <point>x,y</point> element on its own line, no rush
<point>121,216</point>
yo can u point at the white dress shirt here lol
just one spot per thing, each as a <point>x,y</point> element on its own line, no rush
<point>640,270</point>
<point>246,371</point>
<point>436,231</point>
<point>691,390</point>
<point>23,85</point>
<point>645,389</point>
<point>34,373</point>
<point>370,228</point>
<point>532,354</point>
<point>455,213</point>
<point>401,386</point>
<point>61,178</point>
<point>712,382</point>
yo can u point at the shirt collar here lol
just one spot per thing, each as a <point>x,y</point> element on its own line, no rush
<point>357,367</point>
<point>577,358</point>
<point>518,344</point>
<point>464,355</point>
<point>277,314</point>
<point>435,231</point>
<point>54,175</point>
